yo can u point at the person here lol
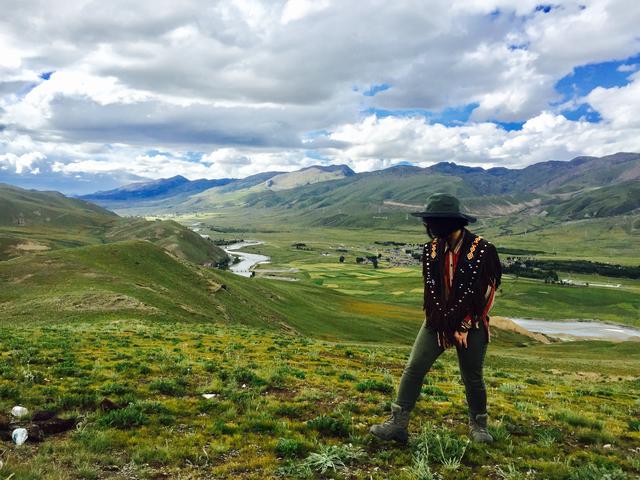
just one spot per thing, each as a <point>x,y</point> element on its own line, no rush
<point>461,272</point>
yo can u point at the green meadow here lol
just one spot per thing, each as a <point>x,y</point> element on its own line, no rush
<point>288,406</point>
<point>120,341</point>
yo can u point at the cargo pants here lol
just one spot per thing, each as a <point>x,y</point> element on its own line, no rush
<point>424,353</point>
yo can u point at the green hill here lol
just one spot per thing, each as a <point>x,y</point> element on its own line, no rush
<point>137,279</point>
<point>32,221</point>
<point>20,207</point>
<point>120,341</point>
<point>604,201</point>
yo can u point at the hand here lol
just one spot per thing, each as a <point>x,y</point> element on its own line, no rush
<point>461,338</point>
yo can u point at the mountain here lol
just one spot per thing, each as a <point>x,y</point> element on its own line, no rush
<point>307,176</point>
<point>28,208</point>
<point>156,189</point>
<point>32,221</point>
<point>584,187</point>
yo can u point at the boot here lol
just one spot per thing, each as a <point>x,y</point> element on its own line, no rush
<point>394,427</point>
<point>478,428</point>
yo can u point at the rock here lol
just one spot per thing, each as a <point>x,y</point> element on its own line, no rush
<point>35,432</point>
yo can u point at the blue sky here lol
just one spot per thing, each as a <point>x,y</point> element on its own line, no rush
<point>232,89</point>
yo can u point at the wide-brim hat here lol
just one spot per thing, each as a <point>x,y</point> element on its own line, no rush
<point>443,205</point>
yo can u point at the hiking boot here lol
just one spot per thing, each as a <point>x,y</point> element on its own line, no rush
<point>394,427</point>
<point>478,428</point>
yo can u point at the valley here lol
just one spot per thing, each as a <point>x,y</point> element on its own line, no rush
<point>167,367</point>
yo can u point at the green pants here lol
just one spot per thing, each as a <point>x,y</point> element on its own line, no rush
<point>426,350</point>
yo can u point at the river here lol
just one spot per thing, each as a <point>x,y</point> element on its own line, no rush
<point>567,330</point>
<point>248,260</point>
<point>574,330</point>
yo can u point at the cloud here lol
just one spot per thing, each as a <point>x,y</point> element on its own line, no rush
<point>619,105</point>
<point>381,142</point>
<point>628,68</point>
<point>25,163</point>
<point>233,88</point>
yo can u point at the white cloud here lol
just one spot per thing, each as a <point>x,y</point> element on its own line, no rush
<point>25,163</point>
<point>627,68</point>
<point>380,142</point>
<point>619,105</point>
<point>297,9</point>
<point>248,82</point>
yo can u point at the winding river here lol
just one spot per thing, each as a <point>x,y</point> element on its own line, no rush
<point>566,330</point>
<point>247,260</point>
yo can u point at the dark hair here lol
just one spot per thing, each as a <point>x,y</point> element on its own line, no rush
<point>456,222</point>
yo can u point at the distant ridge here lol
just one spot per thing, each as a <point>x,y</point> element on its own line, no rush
<point>308,176</point>
<point>584,187</point>
<point>156,189</point>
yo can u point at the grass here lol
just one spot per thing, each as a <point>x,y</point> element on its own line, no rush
<point>399,288</point>
<point>305,423</point>
<point>298,370</point>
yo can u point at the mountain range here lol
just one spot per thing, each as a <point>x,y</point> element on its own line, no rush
<point>584,187</point>
<point>179,188</point>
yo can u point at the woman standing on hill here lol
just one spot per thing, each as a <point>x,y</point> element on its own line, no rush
<point>461,272</point>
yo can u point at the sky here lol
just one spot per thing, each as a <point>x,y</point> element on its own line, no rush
<point>97,94</point>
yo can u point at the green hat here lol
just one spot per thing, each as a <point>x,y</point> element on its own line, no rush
<point>443,205</point>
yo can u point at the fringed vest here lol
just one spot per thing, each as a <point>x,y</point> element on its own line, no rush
<point>478,265</point>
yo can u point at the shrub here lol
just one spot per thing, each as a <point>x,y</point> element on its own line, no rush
<point>594,472</point>
<point>330,425</point>
<point>128,417</point>
<point>334,457</point>
<point>511,387</point>
<point>634,425</point>
<point>9,392</point>
<point>174,388</point>
<point>68,401</point>
<point>247,376</point>
<point>374,385</point>
<point>499,431</point>
<point>594,437</point>
<point>210,366</point>
<point>435,392</point>
<point>289,448</point>
<point>115,389</point>
<point>546,437</point>
<point>577,419</point>
<point>288,410</point>
<point>440,445</point>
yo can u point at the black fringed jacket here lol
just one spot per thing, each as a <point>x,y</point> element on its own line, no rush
<point>477,267</point>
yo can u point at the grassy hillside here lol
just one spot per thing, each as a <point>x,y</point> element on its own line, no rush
<point>20,207</point>
<point>281,406</point>
<point>123,339</point>
<point>171,236</point>
<point>599,202</point>
<point>139,280</point>
<point>32,221</point>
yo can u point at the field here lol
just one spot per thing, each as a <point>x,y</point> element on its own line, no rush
<point>112,346</point>
<point>520,297</point>
<point>288,406</point>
